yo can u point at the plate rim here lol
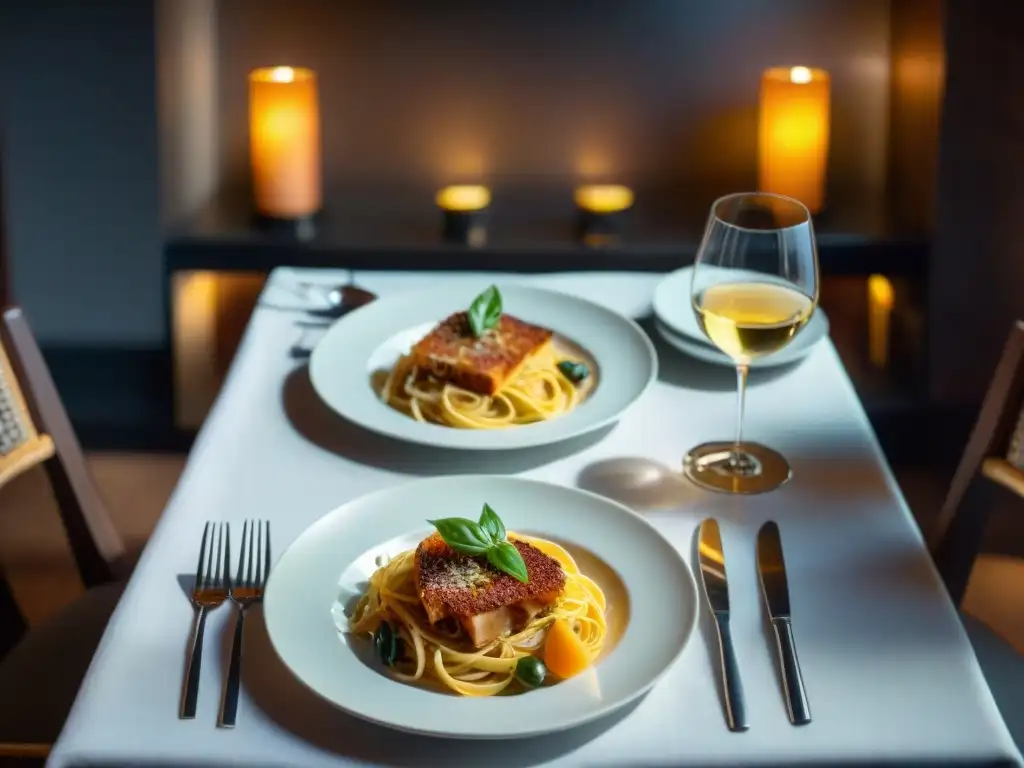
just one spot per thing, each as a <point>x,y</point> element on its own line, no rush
<point>709,356</point>
<point>783,357</point>
<point>473,440</point>
<point>688,585</point>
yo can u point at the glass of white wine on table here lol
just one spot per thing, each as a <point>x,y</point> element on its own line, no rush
<point>755,286</point>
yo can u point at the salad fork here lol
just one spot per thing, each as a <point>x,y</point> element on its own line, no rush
<point>209,591</point>
<point>246,590</point>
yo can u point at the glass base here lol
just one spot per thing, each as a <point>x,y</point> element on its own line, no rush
<point>757,470</point>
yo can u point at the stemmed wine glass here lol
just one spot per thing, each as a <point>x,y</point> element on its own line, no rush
<point>755,285</point>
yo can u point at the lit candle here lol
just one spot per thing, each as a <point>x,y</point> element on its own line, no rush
<point>793,134</point>
<point>465,212</point>
<point>601,208</point>
<point>464,197</point>
<point>603,198</point>
<point>881,298</point>
<point>284,141</point>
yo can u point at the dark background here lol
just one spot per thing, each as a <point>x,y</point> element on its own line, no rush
<point>123,117</point>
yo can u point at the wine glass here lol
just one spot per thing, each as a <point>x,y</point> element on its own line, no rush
<point>755,286</point>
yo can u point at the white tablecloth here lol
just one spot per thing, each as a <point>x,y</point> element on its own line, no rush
<point>889,671</point>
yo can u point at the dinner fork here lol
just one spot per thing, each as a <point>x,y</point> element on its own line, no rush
<point>209,591</point>
<point>246,589</point>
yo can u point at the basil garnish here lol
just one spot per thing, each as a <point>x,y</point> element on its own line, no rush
<point>488,538</point>
<point>574,372</point>
<point>464,536</point>
<point>505,557</point>
<point>491,523</point>
<point>485,311</point>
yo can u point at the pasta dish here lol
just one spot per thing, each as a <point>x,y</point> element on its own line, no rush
<point>482,369</point>
<point>479,611</point>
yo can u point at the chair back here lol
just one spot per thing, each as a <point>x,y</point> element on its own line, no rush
<point>993,460</point>
<point>35,429</point>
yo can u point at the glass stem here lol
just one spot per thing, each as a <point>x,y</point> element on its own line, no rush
<point>738,459</point>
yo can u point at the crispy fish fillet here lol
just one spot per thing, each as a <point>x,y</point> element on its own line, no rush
<point>486,602</point>
<point>482,365</point>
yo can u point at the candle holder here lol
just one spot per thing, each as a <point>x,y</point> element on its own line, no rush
<point>793,134</point>
<point>284,145</point>
<point>299,228</point>
<point>464,210</point>
<point>601,213</point>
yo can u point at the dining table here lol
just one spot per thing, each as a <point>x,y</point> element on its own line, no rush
<point>889,671</point>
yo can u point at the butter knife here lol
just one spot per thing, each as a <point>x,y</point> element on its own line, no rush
<point>772,568</point>
<point>716,588</point>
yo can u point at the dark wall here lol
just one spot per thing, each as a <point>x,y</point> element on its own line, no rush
<point>917,61</point>
<point>977,274</point>
<point>411,91</point>
<point>80,168</point>
<point>645,90</point>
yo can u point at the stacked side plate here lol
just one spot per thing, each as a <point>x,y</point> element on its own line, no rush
<point>677,324</point>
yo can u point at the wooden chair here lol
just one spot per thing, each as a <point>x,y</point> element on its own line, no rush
<point>992,467</point>
<point>41,668</point>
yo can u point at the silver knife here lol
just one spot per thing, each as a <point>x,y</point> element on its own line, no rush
<point>772,568</point>
<point>716,588</point>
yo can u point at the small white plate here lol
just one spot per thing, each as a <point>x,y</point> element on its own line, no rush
<point>708,354</point>
<point>677,324</point>
<point>373,338</point>
<point>652,604</point>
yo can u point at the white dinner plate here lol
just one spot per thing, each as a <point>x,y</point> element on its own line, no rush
<point>651,593</point>
<point>677,324</point>
<point>374,337</point>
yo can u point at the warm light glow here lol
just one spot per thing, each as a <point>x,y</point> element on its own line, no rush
<point>880,291</point>
<point>287,74</point>
<point>281,74</point>
<point>800,75</point>
<point>463,197</point>
<point>881,298</point>
<point>793,134</point>
<point>594,161</point>
<point>193,314</point>
<point>603,198</point>
<point>284,139</point>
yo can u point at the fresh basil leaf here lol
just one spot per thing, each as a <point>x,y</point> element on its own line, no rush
<point>464,536</point>
<point>574,372</point>
<point>491,523</point>
<point>505,557</point>
<point>485,311</point>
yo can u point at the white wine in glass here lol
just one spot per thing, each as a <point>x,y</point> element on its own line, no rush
<point>755,285</point>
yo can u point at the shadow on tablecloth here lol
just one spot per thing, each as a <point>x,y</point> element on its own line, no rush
<point>291,705</point>
<point>639,483</point>
<point>318,424</point>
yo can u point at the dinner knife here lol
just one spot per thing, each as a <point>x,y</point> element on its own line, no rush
<point>772,568</point>
<point>716,588</point>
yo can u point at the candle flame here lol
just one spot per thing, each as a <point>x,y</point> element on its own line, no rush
<point>880,292</point>
<point>464,197</point>
<point>283,74</point>
<point>800,75</point>
<point>603,198</point>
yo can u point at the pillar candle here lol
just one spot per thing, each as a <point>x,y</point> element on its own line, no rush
<point>793,134</point>
<point>284,134</point>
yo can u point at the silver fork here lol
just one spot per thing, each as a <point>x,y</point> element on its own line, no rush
<point>210,590</point>
<point>247,589</point>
